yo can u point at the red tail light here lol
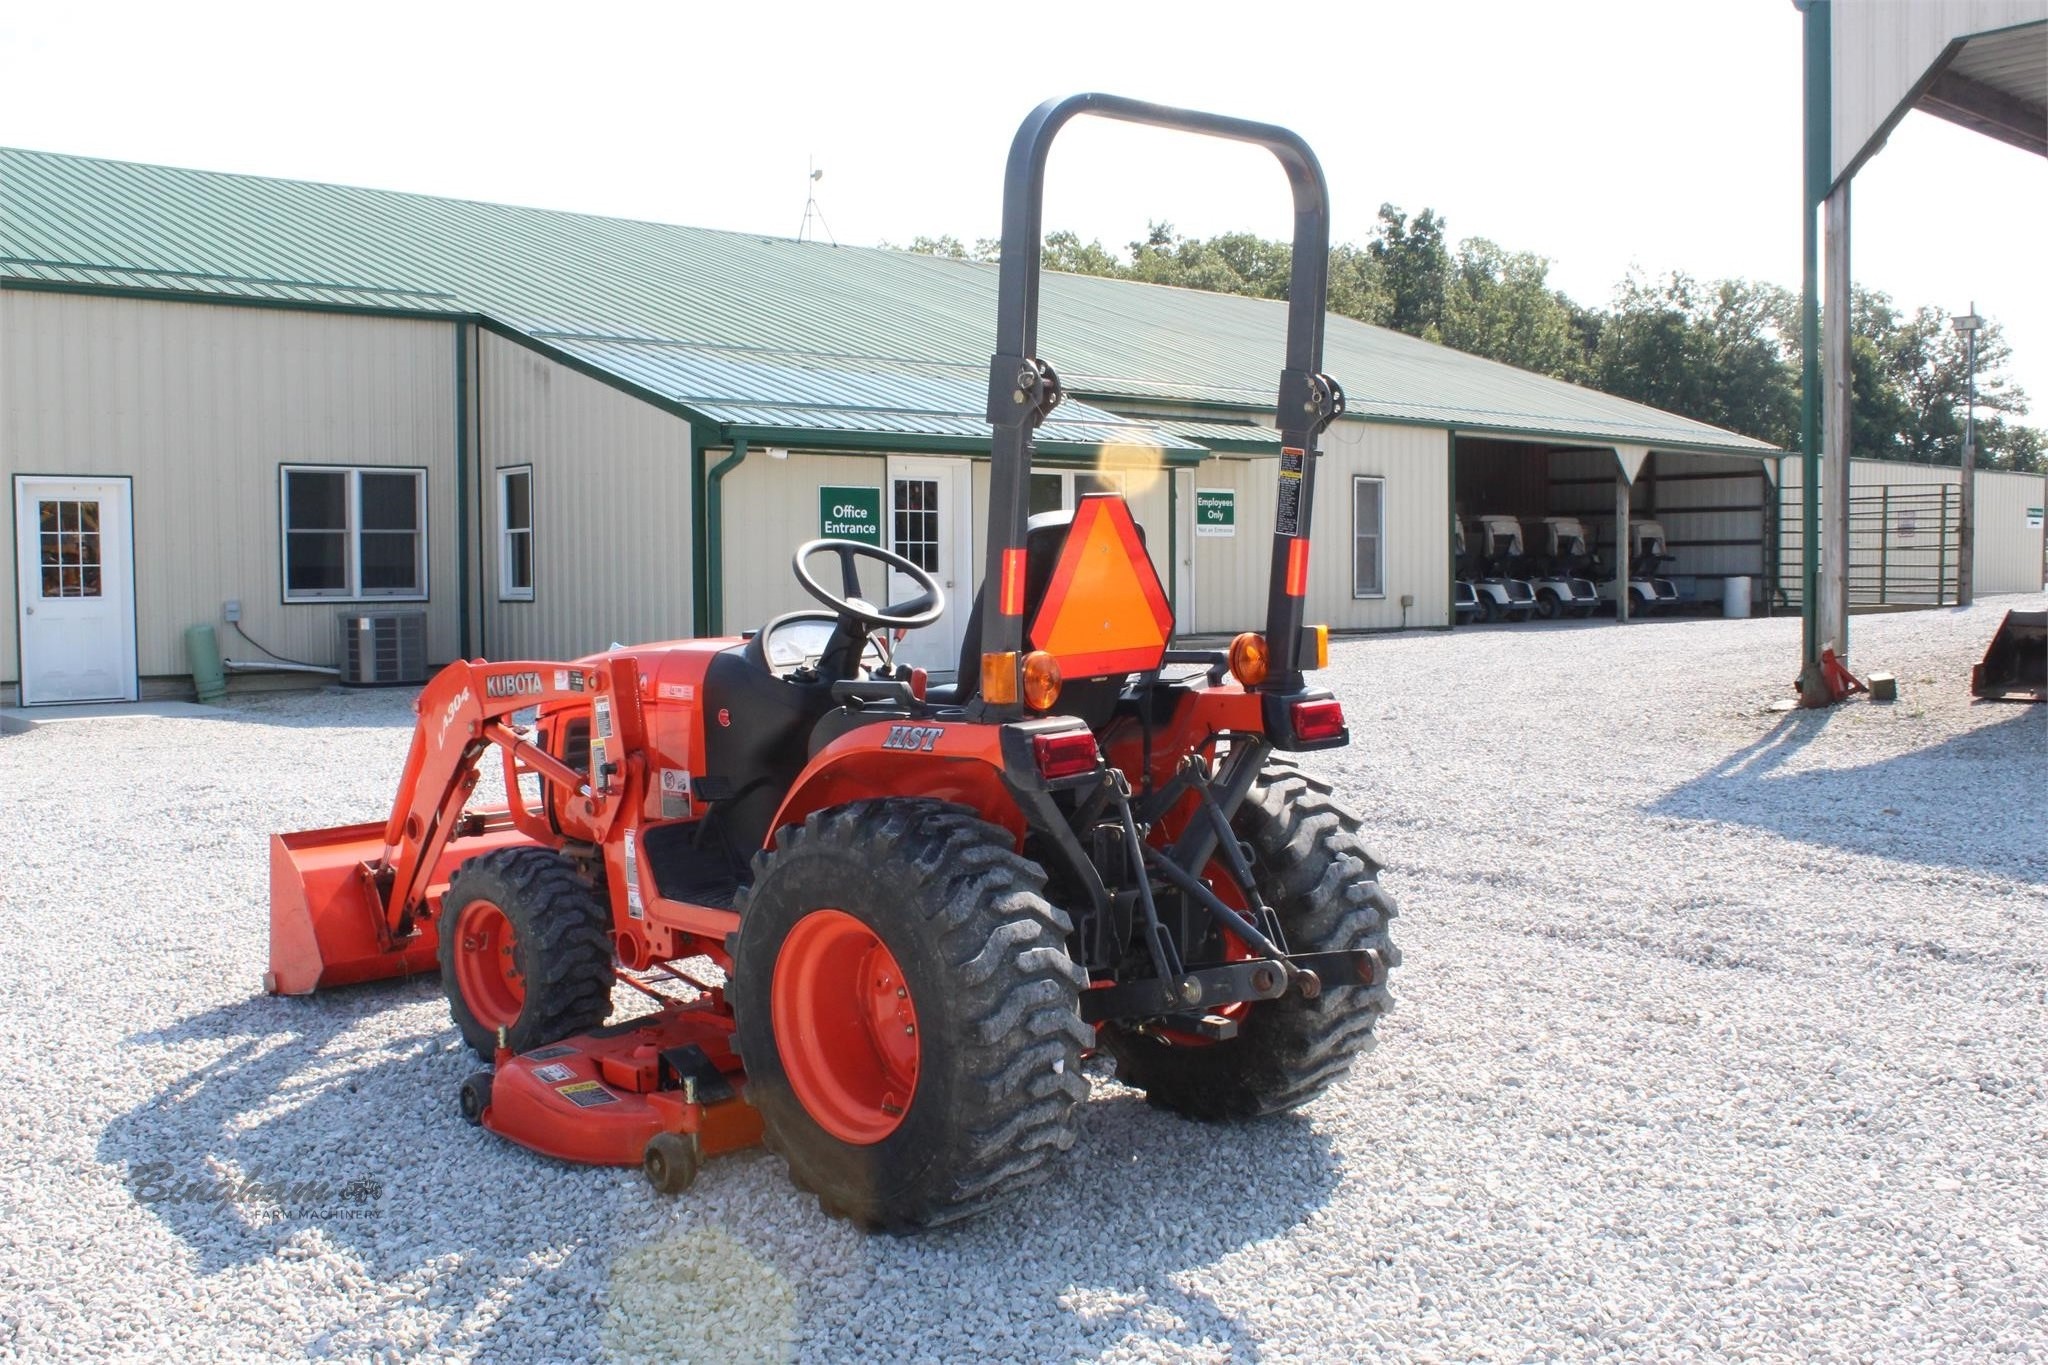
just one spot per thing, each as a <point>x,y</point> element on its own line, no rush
<point>1065,755</point>
<point>1318,719</point>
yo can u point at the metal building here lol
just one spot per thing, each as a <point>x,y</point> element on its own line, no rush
<point>550,431</point>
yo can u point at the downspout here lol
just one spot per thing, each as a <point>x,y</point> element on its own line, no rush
<point>1172,541</point>
<point>714,520</point>
<point>703,436</point>
<point>462,490</point>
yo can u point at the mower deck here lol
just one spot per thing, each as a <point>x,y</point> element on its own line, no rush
<point>603,1098</point>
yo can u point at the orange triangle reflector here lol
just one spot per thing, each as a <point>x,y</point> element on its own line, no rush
<point>1104,611</point>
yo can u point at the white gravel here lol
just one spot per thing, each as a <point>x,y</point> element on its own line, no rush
<point>1721,1035</point>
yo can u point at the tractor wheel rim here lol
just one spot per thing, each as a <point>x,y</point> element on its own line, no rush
<point>845,1027</point>
<point>487,965</point>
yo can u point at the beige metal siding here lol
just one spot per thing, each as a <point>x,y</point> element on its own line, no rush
<point>611,509</point>
<point>1882,49</point>
<point>1231,572</point>
<point>771,507</point>
<point>2008,550</point>
<point>201,404</point>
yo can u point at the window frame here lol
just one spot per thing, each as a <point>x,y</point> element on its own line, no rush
<point>1379,536</point>
<point>508,591</point>
<point>352,535</point>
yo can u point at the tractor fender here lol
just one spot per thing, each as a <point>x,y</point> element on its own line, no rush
<point>937,758</point>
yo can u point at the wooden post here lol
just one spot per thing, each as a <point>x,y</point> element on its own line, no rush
<point>1835,418</point>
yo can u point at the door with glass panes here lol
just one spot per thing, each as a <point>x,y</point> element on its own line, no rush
<point>74,589</point>
<point>930,523</point>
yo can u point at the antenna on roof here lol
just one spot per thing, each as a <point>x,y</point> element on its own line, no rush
<point>811,210</point>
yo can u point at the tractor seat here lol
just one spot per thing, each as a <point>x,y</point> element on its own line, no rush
<point>1092,699</point>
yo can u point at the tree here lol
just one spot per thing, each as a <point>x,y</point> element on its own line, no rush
<point>1414,264</point>
<point>950,247</point>
<point>1498,304</point>
<point>1910,389</point>
<point>1714,353</point>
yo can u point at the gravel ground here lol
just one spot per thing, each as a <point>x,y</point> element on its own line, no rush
<point>1720,1036</point>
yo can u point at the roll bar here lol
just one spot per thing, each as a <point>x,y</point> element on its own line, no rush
<point>1023,389</point>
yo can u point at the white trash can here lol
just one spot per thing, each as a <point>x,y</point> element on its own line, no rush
<point>1735,597</point>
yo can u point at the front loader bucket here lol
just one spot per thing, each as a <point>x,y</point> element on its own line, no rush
<point>2015,667</point>
<point>327,925</point>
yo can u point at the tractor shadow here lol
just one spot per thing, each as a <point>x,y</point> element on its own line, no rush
<point>1963,803</point>
<point>1090,1263</point>
<point>298,1131</point>
<point>314,1129</point>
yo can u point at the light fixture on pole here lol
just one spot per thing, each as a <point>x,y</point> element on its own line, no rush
<point>1967,326</point>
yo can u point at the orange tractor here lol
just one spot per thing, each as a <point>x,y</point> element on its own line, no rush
<point>903,913</point>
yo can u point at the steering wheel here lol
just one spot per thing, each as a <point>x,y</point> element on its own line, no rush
<point>920,610</point>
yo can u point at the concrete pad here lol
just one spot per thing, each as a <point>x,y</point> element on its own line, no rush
<point>16,720</point>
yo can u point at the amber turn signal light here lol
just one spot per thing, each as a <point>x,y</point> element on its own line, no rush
<point>1249,658</point>
<point>1041,680</point>
<point>999,679</point>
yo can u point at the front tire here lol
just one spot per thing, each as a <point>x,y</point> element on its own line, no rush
<point>1546,605</point>
<point>524,946</point>
<point>1314,870</point>
<point>907,1012</point>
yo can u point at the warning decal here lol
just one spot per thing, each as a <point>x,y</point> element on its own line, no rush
<point>554,1071</point>
<point>675,793</point>
<point>1288,520</point>
<point>550,1052</point>
<point>586,1094</point>
<point>676,692</point>
<point>635,909</point>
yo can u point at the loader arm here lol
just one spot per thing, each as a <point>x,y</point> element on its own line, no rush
<point>463,712</point>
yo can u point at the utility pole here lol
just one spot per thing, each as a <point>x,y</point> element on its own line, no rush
<point>1969,324</point>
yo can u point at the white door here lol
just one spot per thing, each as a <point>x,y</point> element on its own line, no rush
<point>931,524</point>
<point>74,589</point>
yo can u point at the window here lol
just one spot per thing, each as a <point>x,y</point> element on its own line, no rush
<point>917,522</point>
<point>68,530</point>
<point>1368,539</point>
<point>353,533</point>
<point>1052,492</point>
<point>515,534</point>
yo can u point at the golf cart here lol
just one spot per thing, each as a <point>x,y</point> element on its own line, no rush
<point>1560,588</point>
<point>1501,593</point>
<point>1647,592</point>
<point>1465,607</point>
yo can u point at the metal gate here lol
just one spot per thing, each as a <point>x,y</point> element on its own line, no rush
<point>1905,547</point>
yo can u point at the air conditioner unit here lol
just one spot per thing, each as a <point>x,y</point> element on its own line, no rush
<point>383,649</point>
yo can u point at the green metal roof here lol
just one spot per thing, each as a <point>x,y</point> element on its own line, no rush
<point>750,331</point>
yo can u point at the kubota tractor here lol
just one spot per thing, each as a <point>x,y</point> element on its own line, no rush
<point>923,905</point>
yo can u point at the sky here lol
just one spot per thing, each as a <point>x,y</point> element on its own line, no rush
<point>1605,136</point>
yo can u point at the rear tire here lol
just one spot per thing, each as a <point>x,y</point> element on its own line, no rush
<point>915,915</point>
<point>525,945</point>
<point>1313,869</point>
